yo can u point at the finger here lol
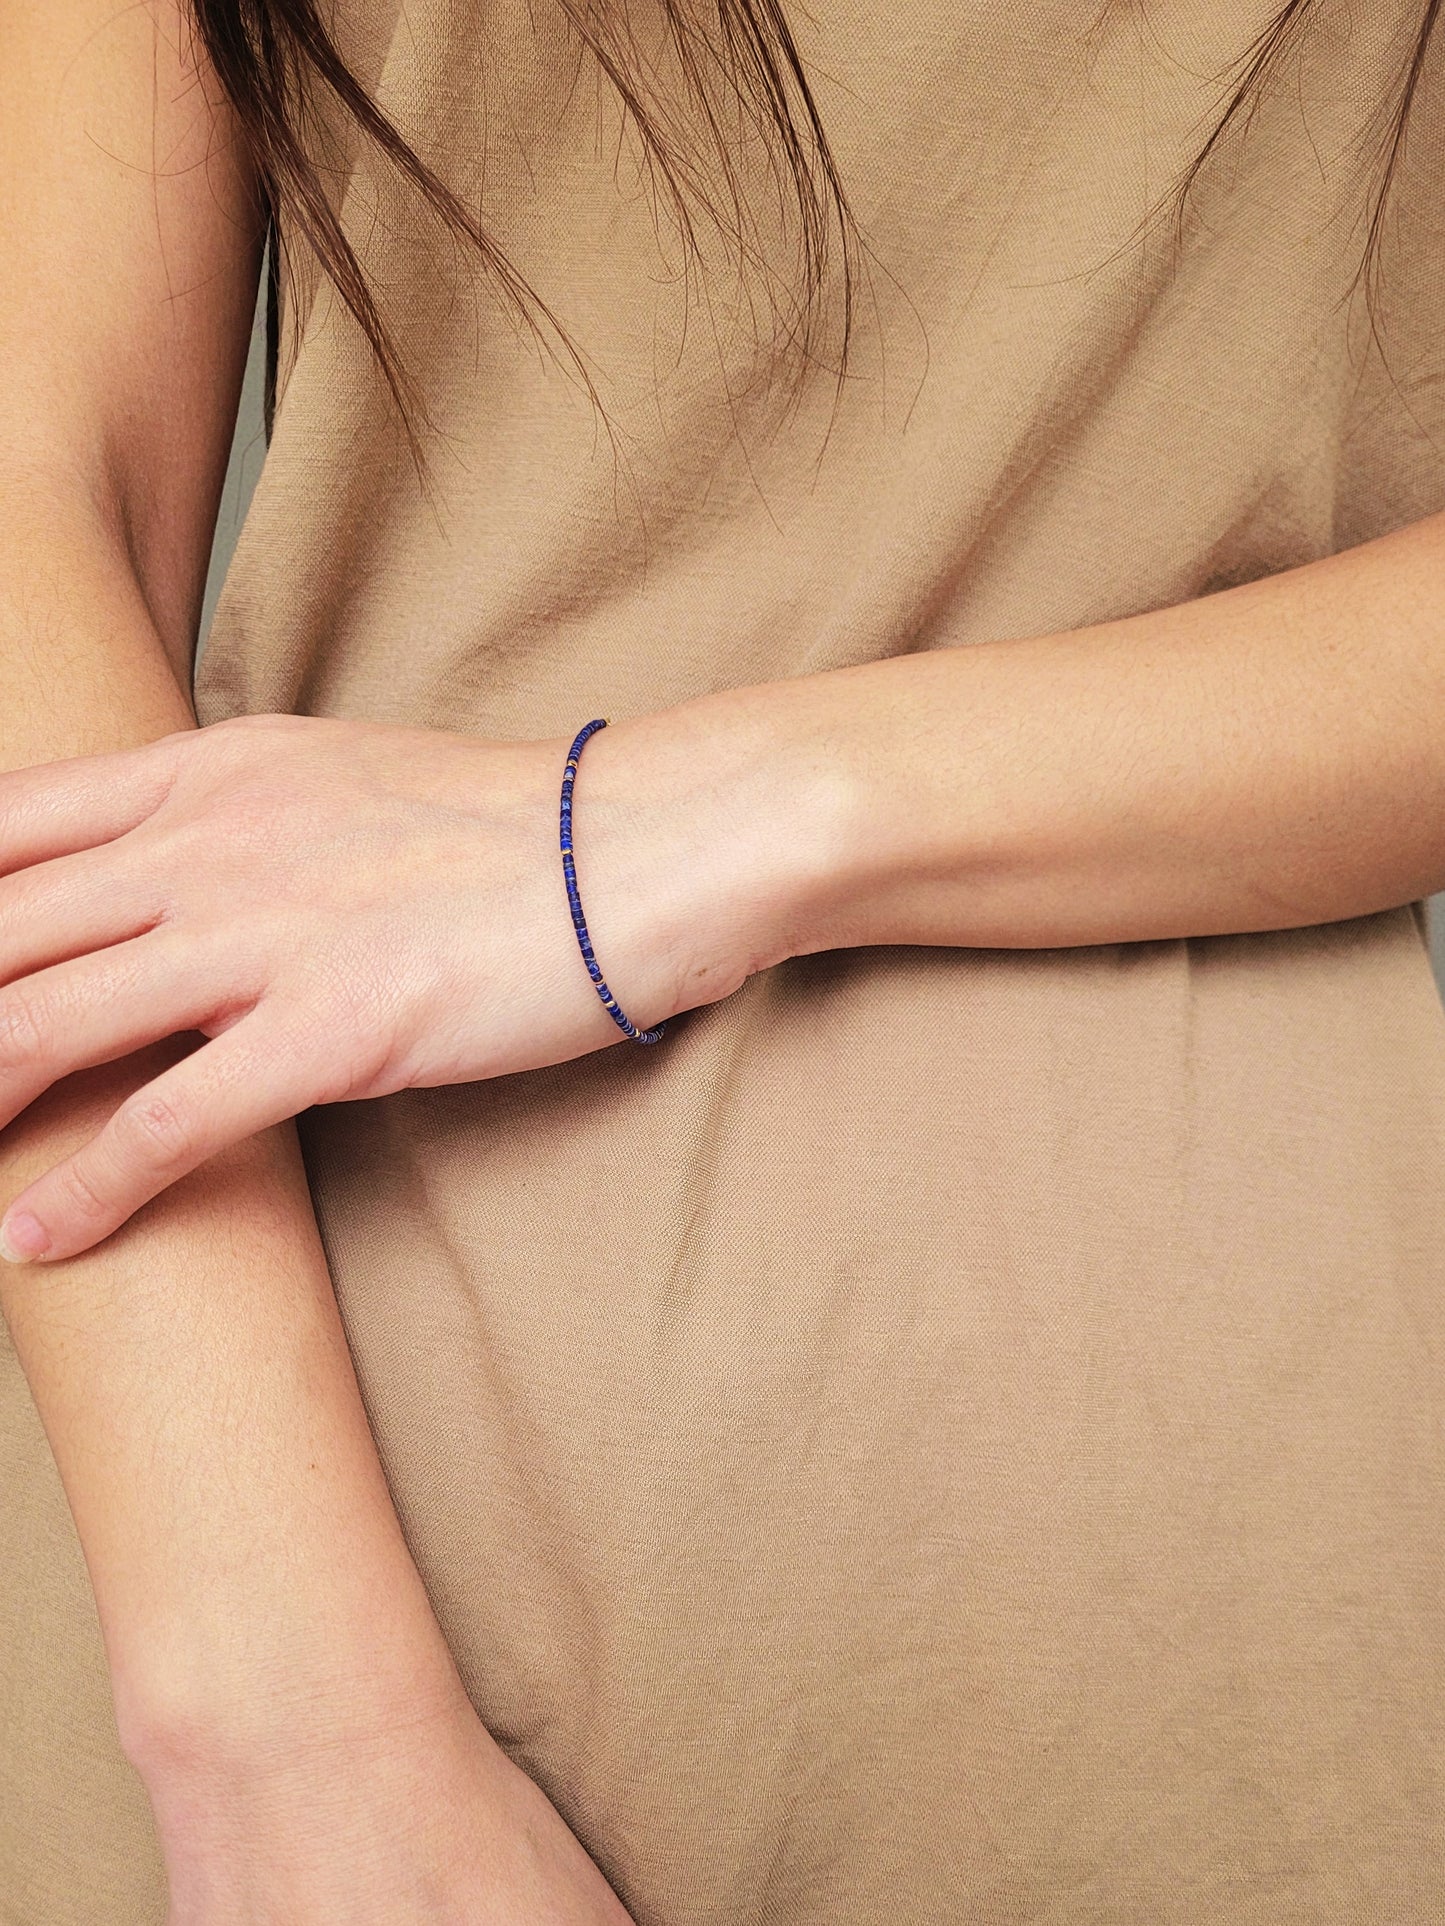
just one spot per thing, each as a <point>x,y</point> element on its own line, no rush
<point>96,1008</point>
<point>68,905</point>
<point>254,1074</point>
<point>53,808</point>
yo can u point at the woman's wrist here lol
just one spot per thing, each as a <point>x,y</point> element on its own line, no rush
<point>331,1651</point>
<point>713,840</point>
<point>252,1720</point>
<point>317,1630</point>
<point>250,1575</point>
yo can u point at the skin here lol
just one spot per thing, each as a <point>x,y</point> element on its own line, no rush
<point>261,1613</point>
<point>163,891</point>
<point>171,924</point>
<point>1258,759</point>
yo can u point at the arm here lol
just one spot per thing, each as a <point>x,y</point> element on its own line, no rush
<point>192,1377</point>
<point>1257,759</point>
<point>261,1614</point>
<point>1263,758</point>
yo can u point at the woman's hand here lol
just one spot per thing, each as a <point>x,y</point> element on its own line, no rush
<point>345,909</point>
<point>418,1821</point>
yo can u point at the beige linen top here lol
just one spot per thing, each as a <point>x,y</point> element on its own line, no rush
<point>950,1435</point>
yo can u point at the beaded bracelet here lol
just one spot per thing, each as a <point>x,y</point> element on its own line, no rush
<point>569,870</point>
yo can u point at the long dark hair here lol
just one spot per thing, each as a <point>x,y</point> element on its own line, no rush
<point>1270,46</point>
<point>272,57</point>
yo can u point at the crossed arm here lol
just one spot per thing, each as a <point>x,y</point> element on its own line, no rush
<point>1263,758</point>
<point>259,1606</point>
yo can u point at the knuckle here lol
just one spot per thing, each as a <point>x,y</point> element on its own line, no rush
<point>82,1200</point>
<point>230,732</point>
<point>24,1031</point>
<point>251,727</point>
<point>156,1130</point>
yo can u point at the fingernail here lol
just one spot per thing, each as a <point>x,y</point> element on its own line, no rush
<point>23,1236</point>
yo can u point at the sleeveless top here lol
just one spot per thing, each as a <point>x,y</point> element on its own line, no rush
<point>951,1435</point>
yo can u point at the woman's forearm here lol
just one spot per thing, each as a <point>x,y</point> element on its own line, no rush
<point>193,1380</point>
<point>1266,757</point>
<point>191,1373</point>
<point>281,1683</point>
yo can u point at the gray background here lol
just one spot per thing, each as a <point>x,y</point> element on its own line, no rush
<point>248,449</point>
